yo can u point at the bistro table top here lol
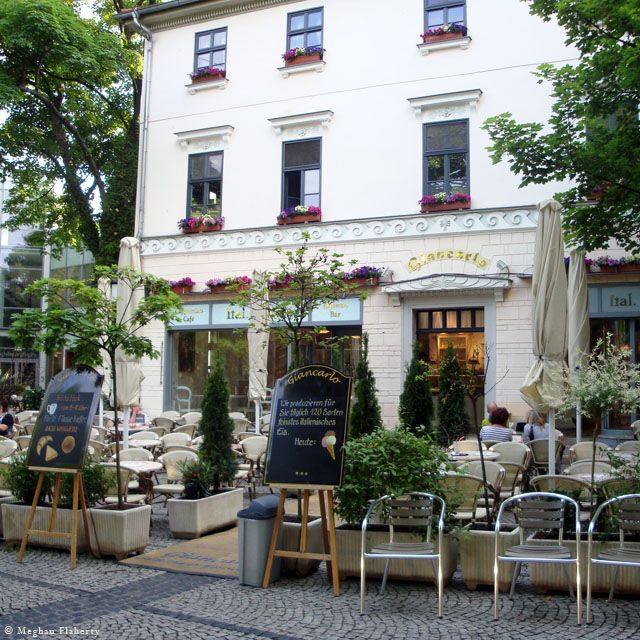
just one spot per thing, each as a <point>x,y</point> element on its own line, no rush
<point>138,466</point>
<point>473,456</point>
<point>598,478</point>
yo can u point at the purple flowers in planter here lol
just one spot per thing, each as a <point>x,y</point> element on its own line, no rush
<point>299,210</point>
<point>287,56</point>
<point>204,72</point>
<point>228,281</point>
<point>279,282</point>
<point>365,271</point>
<point>182,282</point>
<point>196,221</point>
<point>445,28</point>
<point>443,198</point>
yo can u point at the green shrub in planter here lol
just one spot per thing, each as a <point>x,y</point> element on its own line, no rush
<point>197,479</point>
<point>387,462</point>
<point>95,479</point>
<point>21,481</point>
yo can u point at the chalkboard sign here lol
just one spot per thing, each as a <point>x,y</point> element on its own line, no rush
<point>310,409</point>
<point>63,428</point>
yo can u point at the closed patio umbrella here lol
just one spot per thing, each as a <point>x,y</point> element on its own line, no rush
<point>258,338</point>
<point>578,333</point>
<point>104,285</point>
<point>128,368</point>
<point>543,386</point>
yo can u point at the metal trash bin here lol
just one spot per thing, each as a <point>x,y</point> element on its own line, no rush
<point>255,528</point>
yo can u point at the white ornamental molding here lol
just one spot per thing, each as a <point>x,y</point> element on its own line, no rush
<point>396,227</point>
<point>212,138</point>
<point>458,43</point>
<point>302,121</point>
<point>450,283</point>
<point>445,105</point>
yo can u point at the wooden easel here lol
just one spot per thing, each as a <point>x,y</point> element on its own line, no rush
<point>330,555</point>
<point>78,490</point>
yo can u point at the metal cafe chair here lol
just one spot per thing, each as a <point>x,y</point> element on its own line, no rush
<point>540,511</point>
<point>414,510</point>
<point>627,512</point>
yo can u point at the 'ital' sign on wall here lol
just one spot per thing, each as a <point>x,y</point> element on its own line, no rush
<point>308,427</point>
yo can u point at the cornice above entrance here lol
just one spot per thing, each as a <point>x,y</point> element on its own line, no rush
<point>450,283</point>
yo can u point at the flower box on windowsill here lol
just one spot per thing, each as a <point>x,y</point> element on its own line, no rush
<point>203,228</point>
<point>313,57</point>
<point>309,217</point>
<point>622,268</point>
<point>181,288</point>
<point>207,77</point>
<point>364,282</point>
<point>223,288</point>
<point>444,206</point>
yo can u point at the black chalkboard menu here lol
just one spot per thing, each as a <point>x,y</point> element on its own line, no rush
<point>63,428</point>
<point>310,409</point>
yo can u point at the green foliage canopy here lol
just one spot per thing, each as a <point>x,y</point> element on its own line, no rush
<point>593,134</point>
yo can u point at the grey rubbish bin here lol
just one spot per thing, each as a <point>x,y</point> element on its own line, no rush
<point>255,528</point>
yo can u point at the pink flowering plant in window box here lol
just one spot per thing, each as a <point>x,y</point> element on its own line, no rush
<point>299,52</point>
<point>182,282</point>
<point>230,282</point>
<point>205,73</point>
<point>299,213</point>
<point>443,198</point>
<point>444,31</point>
<point>365,272</point>
<point>205,222</point>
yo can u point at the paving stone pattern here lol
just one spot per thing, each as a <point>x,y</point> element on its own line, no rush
<point>104,599</point>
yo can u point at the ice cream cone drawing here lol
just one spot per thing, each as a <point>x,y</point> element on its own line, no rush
<point>329,442</point>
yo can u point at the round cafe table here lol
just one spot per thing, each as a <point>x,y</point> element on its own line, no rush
<point>144,469</point>
<point>473,456</point>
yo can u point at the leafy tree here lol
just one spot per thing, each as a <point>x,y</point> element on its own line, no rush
<point>304,281</point>
<point>453,421</point>
<point>82,318</point>
<point>216,428</point>
<point>365,411</point>
<point>593,134</point>
<point>71,87</point>
<point>416,402</point>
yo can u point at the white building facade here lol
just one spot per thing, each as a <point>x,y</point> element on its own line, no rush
<point>380,120</point>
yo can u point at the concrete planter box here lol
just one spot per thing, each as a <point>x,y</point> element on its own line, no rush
<point>14,520</point>
<point>291,542</point>
<point>119,533</point>
<point>6,500</point>
<point>194,518</point>
<point>550,577</point>
<point>477,551</point>
<point>349,540</point>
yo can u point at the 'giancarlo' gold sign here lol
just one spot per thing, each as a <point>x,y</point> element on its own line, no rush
<point>416,263</point>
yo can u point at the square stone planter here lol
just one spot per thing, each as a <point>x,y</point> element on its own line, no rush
<point>477,551</point>
<point>6,500</point>
<point>349,540</point>
<point>14,520</point>
<point>194,518</point>
<point>291,542</point>
<point>119,533</point>
<point>550,577</point>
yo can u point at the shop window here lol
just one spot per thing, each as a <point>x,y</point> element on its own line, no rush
<point>304,29</point>
<point>205,184</point>
<point>441,12</point>
<point>301,173</point>
<point>211,50</point>
<point>446,157</point>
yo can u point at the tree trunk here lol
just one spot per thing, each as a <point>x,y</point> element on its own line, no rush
<point>112,357</point>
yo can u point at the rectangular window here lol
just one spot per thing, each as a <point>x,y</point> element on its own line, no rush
<point>205,184</point>
<point>440,12</point>
<point>301,173</point>
<point>446,157</point>
<point>211,49</point>
<point>304,29</point>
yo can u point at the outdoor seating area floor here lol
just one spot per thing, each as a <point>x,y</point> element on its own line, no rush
<point>111,600</point>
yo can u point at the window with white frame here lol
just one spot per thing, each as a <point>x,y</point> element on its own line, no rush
<point>211,50</point>
<point>446,157</point>
<point>301,173</point>
<point>304,29</point>
<point>205,184</point>
<point>440,12</point>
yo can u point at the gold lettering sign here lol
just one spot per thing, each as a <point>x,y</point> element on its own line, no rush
<point>417,262</point>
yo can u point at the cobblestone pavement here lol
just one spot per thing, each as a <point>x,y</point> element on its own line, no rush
<point>111,601</point>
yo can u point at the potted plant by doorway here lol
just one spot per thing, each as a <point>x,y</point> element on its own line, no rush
<point>207,504</point>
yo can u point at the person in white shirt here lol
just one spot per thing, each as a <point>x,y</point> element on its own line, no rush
<point>498,429</point>
<point>537,427</point>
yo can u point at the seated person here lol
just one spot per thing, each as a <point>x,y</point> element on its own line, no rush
<point>137,417</point>
<point>6,421</point>
<point>497,430</point>
<point>491,407</point>
<point>537,428</point>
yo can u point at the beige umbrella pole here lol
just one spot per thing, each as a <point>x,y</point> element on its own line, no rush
<point>577,321</point>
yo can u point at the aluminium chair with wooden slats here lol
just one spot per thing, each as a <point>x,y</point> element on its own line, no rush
<point>414,511</point>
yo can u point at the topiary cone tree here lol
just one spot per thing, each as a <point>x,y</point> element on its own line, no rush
<point>453,420</point>
<point>365,411</point>
<point>216,428</point>
<point>416,402</point>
